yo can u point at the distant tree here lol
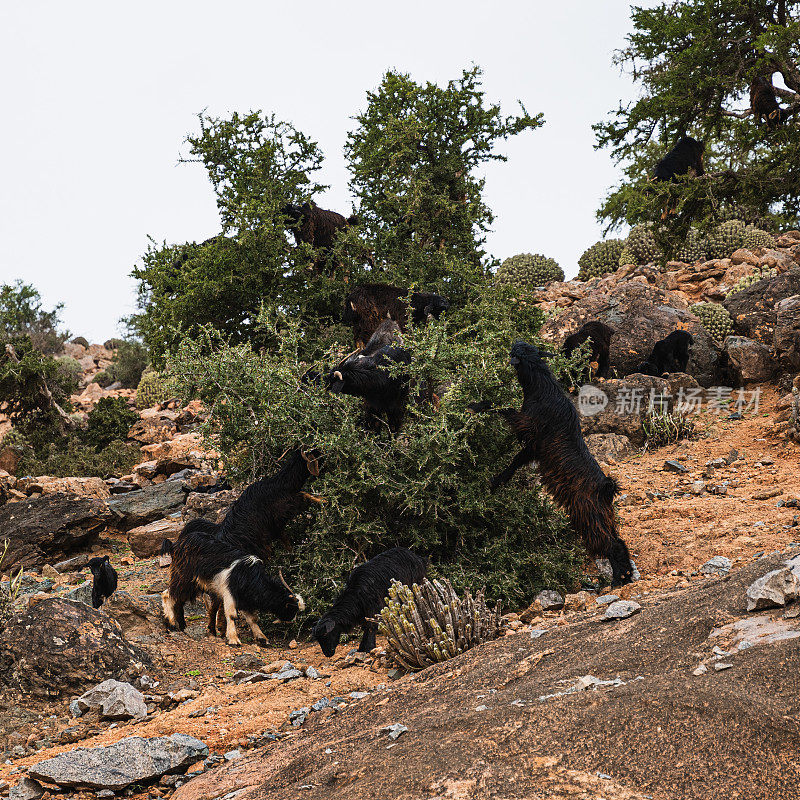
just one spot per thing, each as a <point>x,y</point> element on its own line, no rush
<point>414,161</point>
<point>21,314</point>
<point>695,62</point>
<point>256,165</point>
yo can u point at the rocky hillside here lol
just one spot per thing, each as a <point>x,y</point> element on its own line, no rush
<point>665,689</point>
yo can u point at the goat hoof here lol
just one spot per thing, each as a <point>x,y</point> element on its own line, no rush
<point>234,644</point>
<point>262,642</point>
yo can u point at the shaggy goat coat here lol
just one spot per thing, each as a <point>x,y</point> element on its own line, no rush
<point>104,580</point>
<point>364,375</point>
<point>364,596</point>
<point>237,580</point>
<point>599,334</point>
<point>549,430</point>
<point>370,304</point>
<point>670,354</point>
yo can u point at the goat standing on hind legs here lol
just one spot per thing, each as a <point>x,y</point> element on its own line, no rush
<point>549,430</point>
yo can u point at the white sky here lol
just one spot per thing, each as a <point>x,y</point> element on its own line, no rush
<point>97,98</point>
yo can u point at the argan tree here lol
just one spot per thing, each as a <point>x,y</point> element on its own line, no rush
<point>694,62</point>
<point>414,159</point>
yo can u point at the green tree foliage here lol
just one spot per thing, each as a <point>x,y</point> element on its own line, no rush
<point>415,159</point>
<point>694,61</point>
<point>21,314</point>
<point>130,360</point>
<point>108,421</point>
<point>256,165</point>
<point>426,487</point>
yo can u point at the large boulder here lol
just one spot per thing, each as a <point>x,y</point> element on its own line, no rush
<point>209,506</point>
<point>786,341</point>
<point>625,403</point>
<point>640,315</point>
<point>145,541</point>
<point>748,360</point>
<point>60,646</point>
<point>132,760</point>
<point>49,528</point>
<point>151,503</point>
<point>139,617</point>
<point>753,309</point>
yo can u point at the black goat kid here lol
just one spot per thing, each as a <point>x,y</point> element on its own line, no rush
<point>364,375</point>
<point>670,354</point>
<point>364,596</point>
<point>104,580</point>
<point>549,430</point>
<point>235,579</point>
<point>599,334</point>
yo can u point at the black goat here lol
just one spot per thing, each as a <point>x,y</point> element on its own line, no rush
<point>670,354</point>
<point>364,596</point>
<point>363,374</point>
<point>370,304</point>
<point>316,226</point>
<point>763,103</point>
<point>685,158</point>
<point>235,579</point>
<point>549,430</point>
<point>104,580</point>
<point>599,334</point>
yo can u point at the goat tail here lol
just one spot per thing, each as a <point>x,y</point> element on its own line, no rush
<point>167,548</point>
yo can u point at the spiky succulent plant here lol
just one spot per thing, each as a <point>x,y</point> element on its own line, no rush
<point>602,257</point>
<point>529,269</point>
<point>754,237</point>
<point>693,249</point>
<point>642,244</point>
<point>428,623</point>
<point>154,388</point>
<point>715,319</point>
<point>725,238</point>
<point>749,280</point>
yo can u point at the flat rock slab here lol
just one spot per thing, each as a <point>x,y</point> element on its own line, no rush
<point>773,589</point>
<point>150,504</point>
<point>128,761</point>
<point>621,609</point>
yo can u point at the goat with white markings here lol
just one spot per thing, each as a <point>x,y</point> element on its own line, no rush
<point>235,580</point>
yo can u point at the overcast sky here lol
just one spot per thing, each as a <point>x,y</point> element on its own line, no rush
<point>98,97</point>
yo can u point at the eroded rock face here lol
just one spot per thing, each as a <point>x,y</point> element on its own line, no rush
<point>60,646</point>
<point>753,309</point>
<point>749,361</point>
<point>149,504</point>
<point>640,315</point>
<point>145,541</point>
<point>209,506</point>
<point>786,342</point>
<point>128,761</point>
<point>49,528</point>
<point>608,446</point>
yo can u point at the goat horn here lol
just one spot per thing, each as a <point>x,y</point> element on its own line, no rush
<point>349,355</point>
<point>338,375</point>
<point>283,581</point>
<point>311,463</point>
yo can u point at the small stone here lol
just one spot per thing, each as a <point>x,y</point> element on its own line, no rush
<point>184,694</point>
<point>697,487</point>
<point>621,609</point>
<point>395,730</point>
<point>75,709</point>
<point>105,794</point>
<point>293,644</point>
<point>232,755</point>
<point>312,673</point>
<point>114,700</point>
<point>550,600</point>
<point>26,789</point>
<point>605,599</point>
<point>358,695</point>
<point>323,702</point>
<point>675,466</point>
<point>718,565</point>
<point>773,589</point>
<point>537,632</point>
<point>701,670</point>
<point>481,708</point>
<point>720,666</point>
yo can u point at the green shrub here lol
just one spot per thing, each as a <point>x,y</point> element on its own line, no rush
<point>108,421</point>
<point>21,315</point>
<point>68,456</point>
<point>154,388</point>
<point>725,238</point>
<point>81,340</point>
<point>749,280</point>
<point>113,344</point>
<point>528,270</point>
<point>104,378</point>
<point>693,249</point>
<point>600,258</point>
<point>426,487</point>
<point>69,374</point>
<point>130,361</point>
<point>715,319</point>
<point>754,237</point>
<point>642,245</point>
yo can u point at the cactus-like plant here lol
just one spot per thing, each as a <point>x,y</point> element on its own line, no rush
<point>693,249</point>
<point>154,388</point>
<point>725,238</point>
<point>749,280</point>
<point>600,258</point>
<point>429,623</point>
<point>642,244</point>
<point>754,237</point>
<point>529,269</point>
<point>715,319</point>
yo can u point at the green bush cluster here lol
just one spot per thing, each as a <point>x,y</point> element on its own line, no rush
<point>755,237</point>
<point>725,238</point>
<point>641,246</point>
<point>715,319</point>
<point>749,280</point>
<point>426,487</point>
<point>693,249</point>
<point>666,427</point>
<point>81,340</point>
<point>22,316</point>
<point>528,270</point>
<point>602,257</point>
